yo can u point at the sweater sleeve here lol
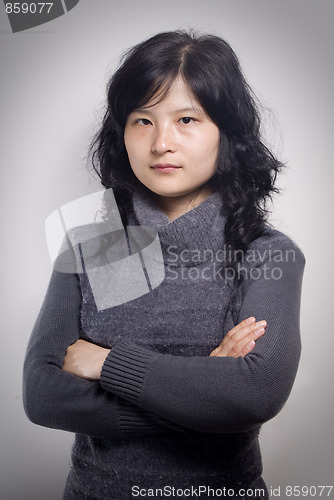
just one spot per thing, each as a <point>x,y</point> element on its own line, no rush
<point>57,399</point>
<point>224,394</point>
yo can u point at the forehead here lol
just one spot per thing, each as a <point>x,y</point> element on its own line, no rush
<point>177,96</point>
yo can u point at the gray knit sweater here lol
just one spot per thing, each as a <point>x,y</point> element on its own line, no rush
<point>165,414</point>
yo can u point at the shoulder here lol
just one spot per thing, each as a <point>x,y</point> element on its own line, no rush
<point>79,245</point>
<point>275,246</point>
<point>87,232</point>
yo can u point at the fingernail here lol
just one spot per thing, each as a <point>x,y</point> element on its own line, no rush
<point>261,323</point>
<point>250,344</point>
<point>259,331</point>
<point>251,320</point>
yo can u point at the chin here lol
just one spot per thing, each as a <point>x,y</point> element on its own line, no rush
<point>167,193</point>
<point>170,194</point>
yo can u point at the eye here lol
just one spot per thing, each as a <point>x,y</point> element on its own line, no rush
<point>143,122</point>
<point>186,120</point>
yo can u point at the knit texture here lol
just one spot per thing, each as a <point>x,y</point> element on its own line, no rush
<point>164,412</point>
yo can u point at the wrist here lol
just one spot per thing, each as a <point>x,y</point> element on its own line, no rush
<point>102,356</point>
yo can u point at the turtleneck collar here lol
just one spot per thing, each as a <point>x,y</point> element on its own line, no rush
<point>199,229</point>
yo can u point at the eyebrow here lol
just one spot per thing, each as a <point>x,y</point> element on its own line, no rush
<point>182,110</point>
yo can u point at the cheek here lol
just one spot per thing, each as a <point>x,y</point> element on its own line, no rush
<point>135,146</point>
<point>208,149</point>
<point>134,155</point>
<point>214,138</point>
<point>208,139</point>
<point>127,141</point>
<point>130,149</point>
<point>215,146</point>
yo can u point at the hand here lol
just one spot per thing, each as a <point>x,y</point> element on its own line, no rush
<point>85,359</point>
<point>241,339</point>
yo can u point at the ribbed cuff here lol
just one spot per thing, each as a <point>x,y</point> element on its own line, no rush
<point>124,370</point>
<point>134,421</point>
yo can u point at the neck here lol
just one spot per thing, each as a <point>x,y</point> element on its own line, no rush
<point>175,206</point>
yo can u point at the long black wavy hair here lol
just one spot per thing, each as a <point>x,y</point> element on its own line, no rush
<point>247,169</point>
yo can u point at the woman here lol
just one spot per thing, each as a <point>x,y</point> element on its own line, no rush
<point>169,390</point>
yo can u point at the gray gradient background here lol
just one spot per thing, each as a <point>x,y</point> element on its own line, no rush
<point>52,93</point>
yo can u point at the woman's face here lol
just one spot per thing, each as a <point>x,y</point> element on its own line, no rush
<point>172,145</point>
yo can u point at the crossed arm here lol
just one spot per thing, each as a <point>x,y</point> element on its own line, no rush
<point>140,392</point>
<point>85,359</point>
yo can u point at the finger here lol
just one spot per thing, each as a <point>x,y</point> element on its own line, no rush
<point>240,326</point>
<point>234,342</point>
<point>215,352</point>
<point>247,331</point>
<point>235,345</point>
<point>246,349</point>
<point>250,331</point>
<point>247,344</point>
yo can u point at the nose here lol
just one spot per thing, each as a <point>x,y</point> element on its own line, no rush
<point>163,140</point>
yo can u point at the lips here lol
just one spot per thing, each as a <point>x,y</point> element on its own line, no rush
<point>165,167</point>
